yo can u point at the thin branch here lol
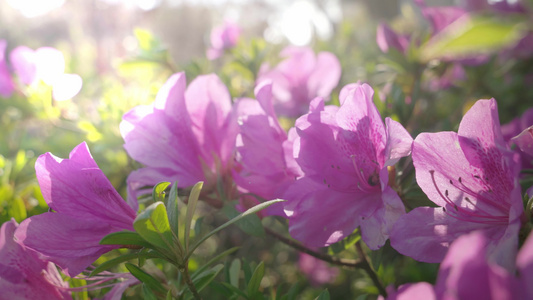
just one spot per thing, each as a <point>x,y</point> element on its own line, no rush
<point>350,263</point>
<point>366,266</point>
<point>188,280</point>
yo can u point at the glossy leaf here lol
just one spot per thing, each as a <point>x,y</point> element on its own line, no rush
<point>251,225</point>
<point>213,260</point>
<point>472,36</point>
<point>146,278</point>
<point>118,260</point>
<point>247,213</point>
<point>191,207</point>
<point>234,272</point>
<point>124,238</point>
<point>158,193</point>
<point>152,224</point>
<point>173,209</point>
<point>255,282</point>
<point>323,296</point>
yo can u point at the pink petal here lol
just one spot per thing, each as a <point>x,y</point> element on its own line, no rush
<point>425,233</point>
<point>325,76</point>
<point>375,230</point>
<point>524,140</point>
<point>50,64</point>
<point>399,142</point>
<point>23,275</point>
<point>66,86</point>
<point>6,82</point>
<point>23,60</point>
<point>71,243</point>
<point>77,187</point>
<point>319,216</point>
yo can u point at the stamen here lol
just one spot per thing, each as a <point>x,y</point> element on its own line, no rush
<point>478,216</point>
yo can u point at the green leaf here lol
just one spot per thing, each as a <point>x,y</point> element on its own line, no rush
<point>146,278</point>
<point>251,225</point>
<point>204,279</point>
<point>323,296</point>
<point>213,260</point>
<point>158,193</point>
<point>124,238</point>
<point>234,272</point>
<point>123,258</point>
<point>152,225</point>
<point>17,209</point>
<point>249,212</point>
<point>169,295</point>
<point>191,207</point>
<point>147,293</point>
<point>476,35</point>
<point>235,290</point>
<point>173,209</point>
<point>255,282</point>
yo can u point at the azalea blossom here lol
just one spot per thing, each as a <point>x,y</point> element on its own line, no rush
<point>472,176</point>
<point>23,274</point>
<point>516,132</point>
<point>84,207</point>
<point>223,37</point>
<point>46,64</point>
<point>317,271</point>
<point>345,153</point>
<point>300,78</point>
<point>6,82</point>
<point>187,135</point>
<point>264,152</point>
<point>467,272</point>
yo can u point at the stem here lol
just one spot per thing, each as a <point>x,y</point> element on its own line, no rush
<point>188,280</point>
<point>366,266</point>
<point>322,256</point>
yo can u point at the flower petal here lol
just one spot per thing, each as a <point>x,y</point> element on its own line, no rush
<point>399,142</point>
<point>23,61</point>
<point>76,186</point>
<point>70,242</point>
<point>425,233</point>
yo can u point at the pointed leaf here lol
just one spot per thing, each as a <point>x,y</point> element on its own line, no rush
<point>152,224</point>
<point>158,193</point>
<point>173,209</point>
<point>255,282</point>
<point>251,225</point>
<point>118,260</point>
<point>235,290</point>
<point>191,207</point>
<point>202,281</point>
<point>250,211</point>
<point>146,278</point>
<point>323,296</point>
<point>147,293</point>
<point>213,260</point>
<point>234,272</point>
<point>124,238</point>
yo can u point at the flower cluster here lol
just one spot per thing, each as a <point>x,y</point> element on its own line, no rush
<point>336,166</point>
<point>30,66</point>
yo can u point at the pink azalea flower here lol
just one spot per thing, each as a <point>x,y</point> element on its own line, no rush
<point>6,82</point>
<point>186,135</point>
<point>515,128</point>
<point>344,154</point>
<point>316,270</point>
<point>473,177</point>
<point>264,152</point>
<point>387,38</point>
<point>524,141</point>
<point>46,64</point>
<point>23,274</point>
<point>85,208</point>
<point>467,272</point>
<point>223,37</point>
<point>301,77</point>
